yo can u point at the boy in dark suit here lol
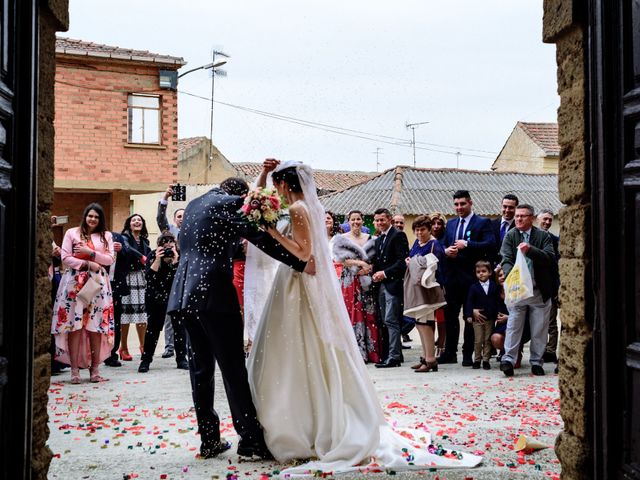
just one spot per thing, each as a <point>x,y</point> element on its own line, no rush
<point>484,302</point>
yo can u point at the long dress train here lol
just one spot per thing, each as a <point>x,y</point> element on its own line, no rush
<point>315,399</point>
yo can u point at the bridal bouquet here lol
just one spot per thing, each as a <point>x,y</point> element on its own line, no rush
<point>263,207</point>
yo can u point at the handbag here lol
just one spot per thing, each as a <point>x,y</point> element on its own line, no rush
<point>90,289</point>
<point>518,285</point>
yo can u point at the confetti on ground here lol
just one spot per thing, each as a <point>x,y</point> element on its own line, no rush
<point>146,428</point>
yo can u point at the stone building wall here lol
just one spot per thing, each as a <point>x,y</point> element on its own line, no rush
<point>563,26</point>
<point>54,16</point>
<point>121,209</point>
<point>520,154</point>
<point>194,167</point>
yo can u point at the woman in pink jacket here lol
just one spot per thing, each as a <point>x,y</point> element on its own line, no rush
<point>83,329</point>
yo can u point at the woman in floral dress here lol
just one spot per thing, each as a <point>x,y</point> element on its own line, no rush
<point>84,331</point>
<point>355,250</point>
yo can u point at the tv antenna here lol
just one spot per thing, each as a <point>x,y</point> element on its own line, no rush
<point>413,126</point>
<point>377,154</point>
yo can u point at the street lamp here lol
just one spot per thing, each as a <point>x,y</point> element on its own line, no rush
<point>213,66</point>
<point>203,67</point>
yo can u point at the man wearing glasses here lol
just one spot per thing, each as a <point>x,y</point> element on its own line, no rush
<point>537,247</point>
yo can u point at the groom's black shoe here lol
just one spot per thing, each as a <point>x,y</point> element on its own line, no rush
<point>254,449</point>
<point>213,449</point>
<point>389,363</point>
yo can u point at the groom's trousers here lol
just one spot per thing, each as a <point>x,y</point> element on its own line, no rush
<point>217,337</point>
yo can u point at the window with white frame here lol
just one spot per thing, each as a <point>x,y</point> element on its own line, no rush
<point>144,118</point>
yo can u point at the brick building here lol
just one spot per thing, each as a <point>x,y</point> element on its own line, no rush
<point>116,127</point>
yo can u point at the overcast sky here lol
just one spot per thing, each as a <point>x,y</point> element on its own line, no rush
<point>471,68</point>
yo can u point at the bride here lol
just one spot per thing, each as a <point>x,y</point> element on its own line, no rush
<point>312,392</point>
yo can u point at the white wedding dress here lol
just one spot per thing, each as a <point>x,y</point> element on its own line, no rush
<point>314,397</point>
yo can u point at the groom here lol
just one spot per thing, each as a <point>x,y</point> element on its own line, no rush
<point>204,299</point>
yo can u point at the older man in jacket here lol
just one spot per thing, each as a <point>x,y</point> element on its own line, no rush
<point>537,247</point>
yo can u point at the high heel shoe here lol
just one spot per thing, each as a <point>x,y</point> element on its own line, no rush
<point>124,355</point>
<point>95,375</point>
<point>419,364</point>
<point>428,367</point>
<point>75,376</point>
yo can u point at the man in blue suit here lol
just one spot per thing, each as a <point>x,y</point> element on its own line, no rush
<point>505,222</point>
<point>468,238</point>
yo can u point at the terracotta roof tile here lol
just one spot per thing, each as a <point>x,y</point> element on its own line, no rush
<point>326,180</point>
<point>545,135</point>
<point>70,46</point>
<point>185,144</point>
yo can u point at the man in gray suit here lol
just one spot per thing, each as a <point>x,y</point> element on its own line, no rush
<point>537,246</point>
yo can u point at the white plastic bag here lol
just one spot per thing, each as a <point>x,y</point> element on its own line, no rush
<point>518,285</point>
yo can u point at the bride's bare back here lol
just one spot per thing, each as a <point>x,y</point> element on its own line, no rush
<point>300,243</point>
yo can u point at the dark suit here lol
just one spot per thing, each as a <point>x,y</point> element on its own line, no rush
<point>159,285</point>
<point>164,225</point>
<point>204,298</point>
<point>552,344</point>
<point>496,223</point>
<point>491,304</point>
<point>460,274</point>
<point>391,252</point>
<point>538,307</point>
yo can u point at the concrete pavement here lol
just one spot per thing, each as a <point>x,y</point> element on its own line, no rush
<point>142,425</point>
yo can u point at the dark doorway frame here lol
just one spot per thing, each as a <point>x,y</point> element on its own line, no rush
<point>612,47</point>
<point>18,220</point>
